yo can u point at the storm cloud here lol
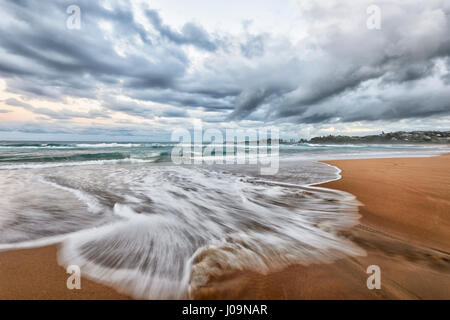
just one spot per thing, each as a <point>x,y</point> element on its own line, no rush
<point>132,62</point>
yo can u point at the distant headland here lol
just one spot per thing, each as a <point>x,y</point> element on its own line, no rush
<point>391,137</point>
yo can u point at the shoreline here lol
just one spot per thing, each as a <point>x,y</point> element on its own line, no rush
<point>403,230</point>
<point>406,191</point>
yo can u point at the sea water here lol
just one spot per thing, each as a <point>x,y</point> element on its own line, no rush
<point>133,220</point>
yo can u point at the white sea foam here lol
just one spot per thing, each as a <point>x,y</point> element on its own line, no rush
<point>107,145</point>
<point>43,165</point>
<point>163,231</point>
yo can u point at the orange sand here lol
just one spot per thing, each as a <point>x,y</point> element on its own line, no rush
<point>405,229</point>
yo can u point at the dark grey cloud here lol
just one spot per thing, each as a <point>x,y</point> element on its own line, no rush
<point>127,107</point>
<point>249,100</point>
<point>411,73</point>
<point>174,113</point>
<point>186,99</point>
<point>73,62</point>
<point>141,110</point>
<point>341,72</point>
<point>350,62</point>
<point>190,34</point>
<point>45,59</point>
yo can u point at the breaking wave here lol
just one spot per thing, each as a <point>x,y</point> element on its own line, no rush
<point>154,231</point>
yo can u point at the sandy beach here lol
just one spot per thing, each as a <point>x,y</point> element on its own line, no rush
<point>35,274</point>
<point>404,229</point>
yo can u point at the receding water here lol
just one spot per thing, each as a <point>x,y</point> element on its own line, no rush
<point>157,230</point>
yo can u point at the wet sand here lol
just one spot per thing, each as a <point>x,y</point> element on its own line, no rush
<point>34,274</point>
<point>405,230</point>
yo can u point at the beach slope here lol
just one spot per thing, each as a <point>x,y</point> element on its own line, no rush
<point>404,228</point>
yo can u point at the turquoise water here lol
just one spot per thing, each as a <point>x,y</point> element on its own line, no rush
<point>34,154</point>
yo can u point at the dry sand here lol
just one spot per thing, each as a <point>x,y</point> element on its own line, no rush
<point>405,230</point>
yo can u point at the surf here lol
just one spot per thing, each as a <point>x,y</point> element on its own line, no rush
<point>161,231</point>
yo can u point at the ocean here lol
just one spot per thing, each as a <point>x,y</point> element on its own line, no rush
<point>132,219</point>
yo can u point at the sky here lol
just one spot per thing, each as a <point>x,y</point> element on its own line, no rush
<point>138,70</point>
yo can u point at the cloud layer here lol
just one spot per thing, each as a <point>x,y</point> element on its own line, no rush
<point>137,67</point>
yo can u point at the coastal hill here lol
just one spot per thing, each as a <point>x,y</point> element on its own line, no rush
<point>392,137</point>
